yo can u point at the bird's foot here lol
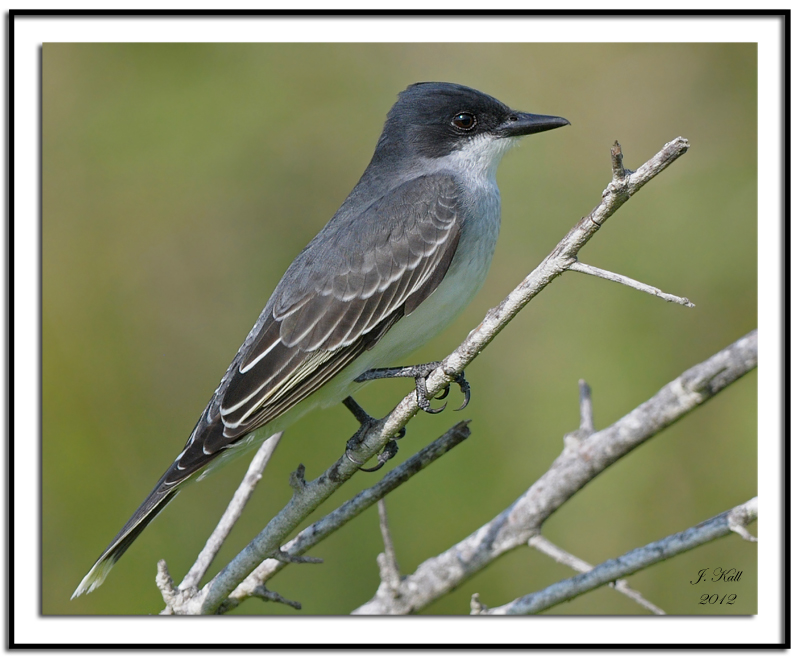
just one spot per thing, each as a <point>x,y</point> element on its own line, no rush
<point>389,452</point>
<point>367,422</point>
<point>420,374</point>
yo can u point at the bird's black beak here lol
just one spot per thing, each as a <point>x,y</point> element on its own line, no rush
<point>522,123</point>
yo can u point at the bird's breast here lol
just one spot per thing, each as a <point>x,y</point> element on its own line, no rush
<point>466,275</point>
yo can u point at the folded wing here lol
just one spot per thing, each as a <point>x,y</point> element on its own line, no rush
<point>345,290</point>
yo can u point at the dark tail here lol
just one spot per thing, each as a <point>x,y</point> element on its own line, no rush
<point>146,513</point>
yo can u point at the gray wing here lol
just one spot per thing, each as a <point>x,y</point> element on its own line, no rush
<point>349,286</point>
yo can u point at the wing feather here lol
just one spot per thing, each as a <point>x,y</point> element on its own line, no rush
<point>297,326</point>
<point>345,290</point>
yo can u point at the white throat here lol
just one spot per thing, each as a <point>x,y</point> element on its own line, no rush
<point>478,159</point>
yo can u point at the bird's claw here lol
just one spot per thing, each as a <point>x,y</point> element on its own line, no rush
<point>389,452</point>
<point>463,384</point>
<point>425,405</point>
<point>422,400</point>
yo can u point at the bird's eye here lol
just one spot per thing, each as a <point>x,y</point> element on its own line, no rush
<point>464,121</point>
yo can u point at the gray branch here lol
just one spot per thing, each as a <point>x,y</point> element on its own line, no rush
<point>563,557</point>
<point>372,438</point>
<point>624,280</point>
<point>232,513</point>
<point>387,560</point>
<point>325,526</point>
<point>579,463</point>
<point>623,185</point>
<point>633,561</point>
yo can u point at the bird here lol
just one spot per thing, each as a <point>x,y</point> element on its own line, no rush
<point>402,257</point>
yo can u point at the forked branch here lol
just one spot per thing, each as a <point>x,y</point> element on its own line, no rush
<point>309,495</point>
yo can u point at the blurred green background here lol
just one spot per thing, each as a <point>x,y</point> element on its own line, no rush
<point>179,181</point>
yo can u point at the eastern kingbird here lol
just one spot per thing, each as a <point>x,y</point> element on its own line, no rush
<point>402,257</point>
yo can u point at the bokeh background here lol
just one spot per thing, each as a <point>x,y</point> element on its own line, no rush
<point>179,181</point>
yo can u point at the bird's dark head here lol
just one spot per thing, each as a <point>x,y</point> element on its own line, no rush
<point>435,119</point>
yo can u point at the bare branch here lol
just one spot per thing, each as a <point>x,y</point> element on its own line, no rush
<point>586,428</point>
<point>285,557</point>
<point>571,441</point>
<point>561,258</point>
<point>587,411</point>
<point>173,597</point>
<point>629,563</point>
<point>563,557</point>
<point>387,560</point>
<point>270,596</point>
<point>576,466</point>
<point>324,527</point>
<point>305,499</point>
<point>476,607</point>
<point>232,513</point>
<point>741,516</point>
<point>370,441</point>
<point>636,285</point>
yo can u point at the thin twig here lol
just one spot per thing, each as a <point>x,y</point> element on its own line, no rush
<point>387,560</point>
<point>563,557</point>
<point>285,557</point>
<point>586,427</point>
<point>270,596</point>
<point>587,413</point>
<point>629,563</point>
<point>619,278</point>
<point>232,513</point>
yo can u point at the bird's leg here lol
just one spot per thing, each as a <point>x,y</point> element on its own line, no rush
<point>419,373</point>
<point>359,413</point>
<point>367,422</point>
